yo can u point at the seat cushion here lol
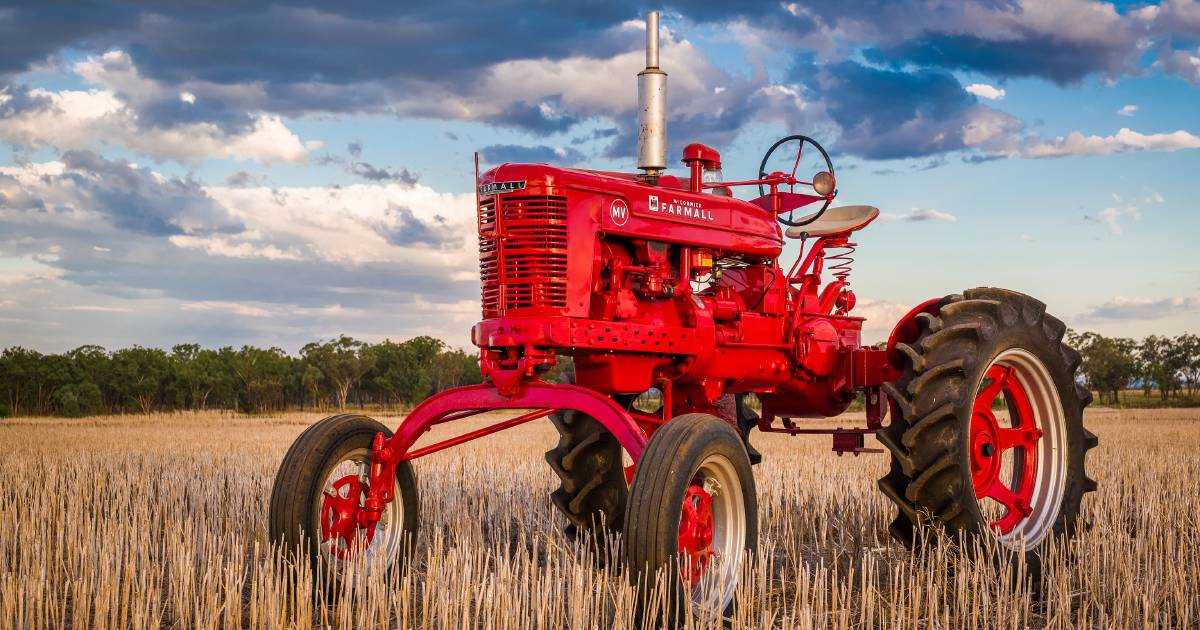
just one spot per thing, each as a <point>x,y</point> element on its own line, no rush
<point>843,219</point>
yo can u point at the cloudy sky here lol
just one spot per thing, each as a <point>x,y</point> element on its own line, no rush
<point>248,172</point>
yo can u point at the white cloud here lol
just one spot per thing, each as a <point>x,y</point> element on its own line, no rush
<point>235,308</point>
<point>1183,64</point>
<point>1111,218</point>
<point>234,247</point>
<point>356,224</point>
<point>881,316</point>
<point>1076,143</point>
<point>983,90</point>
<point>92,308</point>
<point>1143,308</point>
<point>1127,110</point>
<point>608,88</point>
<point>917,215</point>
<point>81,119</point>
<point>990,129</point>
<point>348,224</point>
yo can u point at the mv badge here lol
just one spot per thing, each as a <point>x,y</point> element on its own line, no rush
<point>619,212</point>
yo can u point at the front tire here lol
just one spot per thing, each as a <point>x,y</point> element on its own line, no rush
<point>692,516</point>
<point>956,465</point>
<point>320,485</point>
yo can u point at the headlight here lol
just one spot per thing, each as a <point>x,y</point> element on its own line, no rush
<point>823,183</point>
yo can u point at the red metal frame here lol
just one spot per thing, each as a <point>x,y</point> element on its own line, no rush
<point>604,267</point>
<point>464,402</point>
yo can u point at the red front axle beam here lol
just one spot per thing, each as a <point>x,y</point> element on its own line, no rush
<point>463,402</point>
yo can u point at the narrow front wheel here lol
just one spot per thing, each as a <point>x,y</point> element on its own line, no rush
<point>692,516</point>
<point>317,500</point>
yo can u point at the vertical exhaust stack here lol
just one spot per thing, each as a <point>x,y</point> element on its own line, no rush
<point>652,107</point>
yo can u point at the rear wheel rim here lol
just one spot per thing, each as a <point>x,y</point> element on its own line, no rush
<point>1018,464</point>
<point>338,509</point>
<point>712,533</point>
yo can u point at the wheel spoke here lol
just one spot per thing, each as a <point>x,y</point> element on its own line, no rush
<point>999,375</point>
<point>1024,437</point>
<point>1017,506</point>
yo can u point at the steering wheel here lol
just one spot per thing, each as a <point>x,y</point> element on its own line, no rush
<point>762,174</point>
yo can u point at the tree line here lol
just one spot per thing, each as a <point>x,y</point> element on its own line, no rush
<point>347,372</point>
<point>1168,365</point>
<point>335,373</point>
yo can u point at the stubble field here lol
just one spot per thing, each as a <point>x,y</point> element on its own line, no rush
<point>160,522</point>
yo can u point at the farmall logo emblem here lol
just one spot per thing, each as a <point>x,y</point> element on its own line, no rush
<point>619,212</point>
<point>498,188</point>
<point>682,209</point>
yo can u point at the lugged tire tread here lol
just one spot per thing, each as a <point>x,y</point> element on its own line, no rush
<point>587,461</point>
<point>926,482</point>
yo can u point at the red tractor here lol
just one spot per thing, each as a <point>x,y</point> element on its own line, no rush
<point>652,281</point>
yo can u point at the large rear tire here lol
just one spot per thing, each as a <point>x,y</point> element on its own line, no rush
<point>692,518</point>
<point>320,485</point>
<point>960,466</point>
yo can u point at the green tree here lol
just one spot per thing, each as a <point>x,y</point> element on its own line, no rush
<point>262,374</point>
<point>52,372</point>
<point>93,364</point>
<point>17,371</point>
<point>454,368</point>
<point>1108,363</point>
<point>141,372</point>
<point>1162,360</point>
<point>198,373</point>
<point>314,385</point>
<point>343,361</point>
<point>1189,347</point>
<point>398,373</point>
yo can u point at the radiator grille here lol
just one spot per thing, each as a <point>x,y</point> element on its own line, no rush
<point>522,253</point>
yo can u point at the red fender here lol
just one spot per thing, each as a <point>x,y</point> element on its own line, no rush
<point>906,330</point>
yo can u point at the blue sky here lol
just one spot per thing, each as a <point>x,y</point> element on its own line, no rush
<point>276,173</point>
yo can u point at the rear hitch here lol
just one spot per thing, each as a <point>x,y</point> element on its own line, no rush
<point>851,441</point>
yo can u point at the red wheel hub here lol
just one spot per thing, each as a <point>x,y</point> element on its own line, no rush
<point>695,533</point>
<point>342,516</point>
<point>989,441</point>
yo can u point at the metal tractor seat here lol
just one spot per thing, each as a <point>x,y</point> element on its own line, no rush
<point>839,220</point>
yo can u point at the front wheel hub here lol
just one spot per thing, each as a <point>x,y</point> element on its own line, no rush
<point>341,514</point>
<point>695,533</point>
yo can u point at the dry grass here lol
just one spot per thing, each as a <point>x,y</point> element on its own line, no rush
<point>161,522</point>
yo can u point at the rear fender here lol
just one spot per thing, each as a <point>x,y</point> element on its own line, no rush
<point>907,331</point>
